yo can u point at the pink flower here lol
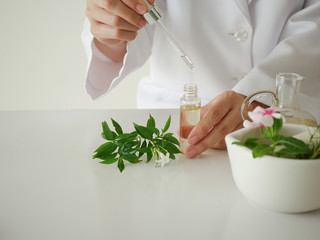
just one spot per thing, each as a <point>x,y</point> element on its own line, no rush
<point>262,117</point>
<point>248,124</point>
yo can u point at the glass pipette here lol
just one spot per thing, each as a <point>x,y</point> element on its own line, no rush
<point>153,16</point>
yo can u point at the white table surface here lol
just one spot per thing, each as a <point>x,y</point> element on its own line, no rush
<point>51,188</point>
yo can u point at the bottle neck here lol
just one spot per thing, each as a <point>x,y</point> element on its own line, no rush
<point>190,91</point>
<point>288,89</point>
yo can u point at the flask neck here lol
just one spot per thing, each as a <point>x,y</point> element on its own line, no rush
<point>288,89</point>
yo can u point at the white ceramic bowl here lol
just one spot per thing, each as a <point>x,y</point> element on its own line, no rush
<point>276,184</point>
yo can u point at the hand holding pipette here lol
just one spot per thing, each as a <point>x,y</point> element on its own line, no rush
<point>114,23</point>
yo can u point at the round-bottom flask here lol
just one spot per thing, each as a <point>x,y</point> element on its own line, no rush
<point>286,98</point>
<point>288,91</point>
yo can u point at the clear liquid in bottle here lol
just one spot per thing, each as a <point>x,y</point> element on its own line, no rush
<point>189,117</point>
<point>190,107</point>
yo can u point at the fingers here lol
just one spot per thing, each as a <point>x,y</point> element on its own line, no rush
<point>221,116</point>
<point>215,138</point>
<point>113,20</point>
<point>129,10</point>
<point>221,144</point>
<point>204,109</point>
<point>214,112</point>
<point>139,5</point>
<point>105,33</point>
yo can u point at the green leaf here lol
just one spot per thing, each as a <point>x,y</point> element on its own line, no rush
<point>143,131</point>
<point>149,155</point>
<point>124,137</point>
<point>154,130</point>
<point>277,125</point>
<point>273,132</point>
<point>261,150</point>
<point>105,150</point>
<point>249,143</point>
<point>168,134</point>
<point>120,165</point>
<point>172,156</point>
<point>109,160</point>
<point>240,144</point>
<point>149,152</point>
<point>107,157</point>
<point>171,148</point>
<point>131,146</point>
<point>114,134</point>
<point>128,151</point>
<point>104,136</point>
<point>286,153</point>
<point>315,154</point>
<point>267,134</point>
<point>131,158</point>
<point>294,146</point>
<point>171,139</point>
<point>142,148</point>
<point>107,134</point>
<point>106,147</point>
<point>167,125</point>
<point>151,122</point>
<point>293,142</point>
<point>117,127</point>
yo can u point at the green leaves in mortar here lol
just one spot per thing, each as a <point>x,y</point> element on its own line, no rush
<point>145,140</point>
<point>271,142</point>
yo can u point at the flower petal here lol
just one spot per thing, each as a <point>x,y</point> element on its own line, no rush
<point>267,120</point>
<point>258,109</point>
<point>161,155</point>
<point>276,115</point>
<point>255,116</point>
<point>250,125</point>
<point>164,159</point>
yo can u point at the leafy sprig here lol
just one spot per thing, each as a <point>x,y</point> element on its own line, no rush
<point>271,142</point>
<point>145,140</point>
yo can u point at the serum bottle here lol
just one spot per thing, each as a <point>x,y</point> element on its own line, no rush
<point>190,106</point>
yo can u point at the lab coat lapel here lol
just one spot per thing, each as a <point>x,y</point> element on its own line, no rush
<point>243,6</point>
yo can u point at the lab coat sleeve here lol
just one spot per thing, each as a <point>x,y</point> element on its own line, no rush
<point>298,51</point>
<point>102,73</point>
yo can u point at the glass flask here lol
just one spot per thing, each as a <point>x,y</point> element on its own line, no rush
<point>286,98</point>
<point>190,107</point>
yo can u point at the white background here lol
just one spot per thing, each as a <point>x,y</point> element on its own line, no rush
<point>42,61</point>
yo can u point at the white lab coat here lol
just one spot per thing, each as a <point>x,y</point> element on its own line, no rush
<point>235,44</point>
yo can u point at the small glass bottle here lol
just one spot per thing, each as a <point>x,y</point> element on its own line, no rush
<point>190,106</point>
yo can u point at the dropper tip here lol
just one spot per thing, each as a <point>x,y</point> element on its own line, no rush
<point>188,61</point>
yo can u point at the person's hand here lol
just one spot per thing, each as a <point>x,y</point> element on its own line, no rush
<point>114,23</point>
<point>218,118</point>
